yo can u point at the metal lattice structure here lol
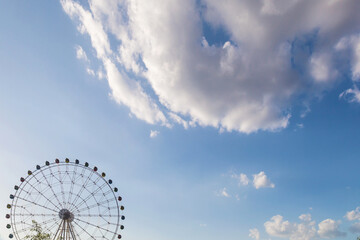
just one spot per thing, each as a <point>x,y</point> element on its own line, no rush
<point>67,200</point>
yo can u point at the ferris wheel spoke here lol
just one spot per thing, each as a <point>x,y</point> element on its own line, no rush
<point>61,185</point>
<point>104,194</point>
<point>82,188</point>
<point>36,204</point>
<point>50,185</point>
<point>53,175</point>
<point>32,226</point>
<point>96,226</point>
<point>42,193</point>
<point>48,229</point>
<point>76,233</point>
<point>85,231</point>
<point>72,184</point>
<point>91,195</point>
<point>53,225</point>
<point>54,219</point>
<point>22,207</point>
<point>28,194</point>
<point>108,192</point>
<point>75,208</point>
<point>95,205</point>
<point>35,214</point>
<point>106,220</point>
<point>96,215</point>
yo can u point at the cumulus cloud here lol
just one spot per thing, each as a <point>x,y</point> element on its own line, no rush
<point>154,133</point>
<point>276,52</point>
<point>254,233</point>
<point>305,230</point>
<point>261,181</point>
<point>330,229</point>
<point>277,227</point>
<point>353,215</point>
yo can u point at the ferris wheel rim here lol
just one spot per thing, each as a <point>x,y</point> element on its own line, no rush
<point>63,205</point>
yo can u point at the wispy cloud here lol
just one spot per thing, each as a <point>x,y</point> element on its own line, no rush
<point>254,233</point>
<point>124,90</point>
<point>154,133</point>
<point>223,193</point>
<point>81,54</point>
<point>243,180</point>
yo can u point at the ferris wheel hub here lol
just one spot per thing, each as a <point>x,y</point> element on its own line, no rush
<point>65,214</point>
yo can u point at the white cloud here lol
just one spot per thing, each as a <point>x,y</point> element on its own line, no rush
<point>305,217</point>
<point>305,230</point>
<point>81,54</point>
<point>100,74</point>
<point>124,90</point>
<point>352,43</point>
<point>223,193</point>
<point>353,215</point>
<point>355,227</point>
<point>261,181</point>
<point>330,229</point>
<point>176,118</point>
<point>90,71</point>
<point>278,227</point>
<point>154,133</point>
<point>351,94</point>
<point>242,178</point>
<point>254,233</point>
<point>246,84</point>
<point>321,68</point>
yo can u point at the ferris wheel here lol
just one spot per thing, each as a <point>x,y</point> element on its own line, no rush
<point>65,201</point>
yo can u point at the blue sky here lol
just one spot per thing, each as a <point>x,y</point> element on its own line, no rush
<point>224,96</point>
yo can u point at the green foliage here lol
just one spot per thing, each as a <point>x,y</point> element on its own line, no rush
<point>37,233</point>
